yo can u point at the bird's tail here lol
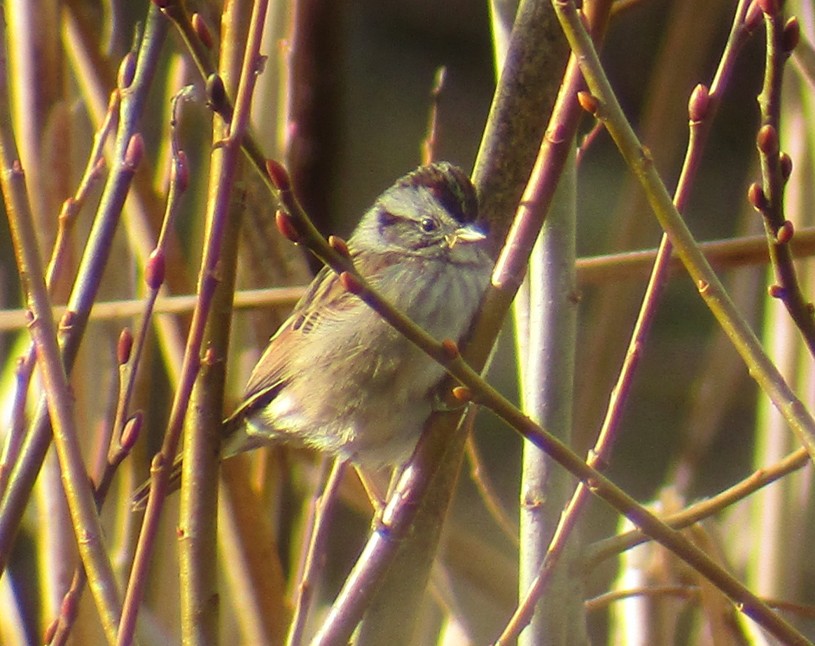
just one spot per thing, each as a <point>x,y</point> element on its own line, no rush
<point>234,441</point>
<point>139,499</point>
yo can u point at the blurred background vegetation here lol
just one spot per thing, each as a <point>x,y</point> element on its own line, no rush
<point>695,422</point>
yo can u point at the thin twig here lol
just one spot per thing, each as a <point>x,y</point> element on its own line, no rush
<point>176,11</point>
<point>67,218</point>
<point>611,547</point>
<point>154,277</point>
<point>318,534</point>
<point>478,474</point>
<point>768,198</point>
<point>604,104</point>
<point>144,206</point>
<point>198,513</point>
<point>721,254</point>
<point>431,140</point>
<point>603,601</point>
<point>729,253</point>
<point>182,304</point>
<point>547,396</point>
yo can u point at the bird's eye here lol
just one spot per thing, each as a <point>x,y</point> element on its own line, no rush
<point>429,225</point>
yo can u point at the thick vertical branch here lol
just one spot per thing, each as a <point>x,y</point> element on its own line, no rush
<point>198,513</point>
<point>523,98</point>
<point>208,280</point>
<point>525,93</point>
<point>547,394</point>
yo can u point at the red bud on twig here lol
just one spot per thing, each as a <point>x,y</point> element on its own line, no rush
<point>753,18</point>
<point>756,197</point>
<point>130,433</point>
<point>588,102</point>
<point>127,70</point>
<point>462,394</point>
<point>286,226</point>
<point>216,96</point>
<point>278,174</point>
<point>786,165</point>
<point>450,349</point>
<point>124,346</point>
<point>776,291</point>
<point>339,245</point>
<point>350,283</point>
<point>791,35</point>
<point>699,103</point>
<point>785,232</point>
<point>767,140</point>
<point>134,152</point>
<point>769,7</point>
<point>202,30</point>
<point>154,270</point>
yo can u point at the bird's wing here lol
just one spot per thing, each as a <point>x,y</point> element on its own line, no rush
<point>324,301</point>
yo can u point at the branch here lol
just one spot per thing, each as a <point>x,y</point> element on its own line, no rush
<point>702,109</point>
<point>398,516</point>
<point>97,251</point>
<point>768,197</point>
<point>75,480</point>
<point>207,281</point>
<point>198,40</point>
<point>604,105</point>
<point>699,511</point>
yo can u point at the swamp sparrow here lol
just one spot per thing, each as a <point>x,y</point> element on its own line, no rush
<point>336,377</point>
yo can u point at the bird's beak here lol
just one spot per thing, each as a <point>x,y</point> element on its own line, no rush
<point>467,233</point>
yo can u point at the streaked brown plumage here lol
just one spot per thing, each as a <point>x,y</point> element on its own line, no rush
<point>336,377</point>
